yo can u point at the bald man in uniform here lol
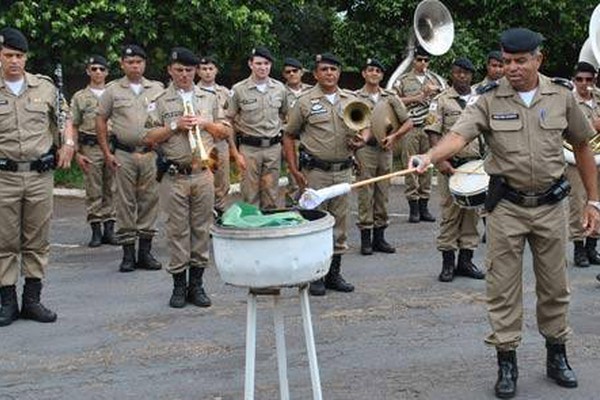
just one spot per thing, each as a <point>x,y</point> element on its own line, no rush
<point>28,131</point>
<point>524,119</point>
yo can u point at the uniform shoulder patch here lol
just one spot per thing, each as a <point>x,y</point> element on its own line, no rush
<point>486,88</point>
<point>562,82</point>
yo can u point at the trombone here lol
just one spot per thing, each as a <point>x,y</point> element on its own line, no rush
<point>195,139</point>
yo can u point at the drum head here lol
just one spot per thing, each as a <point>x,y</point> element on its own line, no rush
<point>469,184</point>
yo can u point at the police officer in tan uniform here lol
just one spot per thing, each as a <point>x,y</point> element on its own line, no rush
<point>226,148</point>
<point>524,119</point>
<point>416,89</point>
<point>256,109</point>
<point>375,159</point>
<point>584,252</point>
<point>189,179</point>
<point>292,73</point>
<point>126,103</point>
<point>28,128</point>
<point>458,226</point>
<point>98,177</point>
<point>494,69</point>
<point>325,155</point>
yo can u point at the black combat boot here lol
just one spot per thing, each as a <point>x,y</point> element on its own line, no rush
<point>413,213</point>
<point>366,247</point>
<point>108,237</point>
<point>424,214</point>
<point>557,366</point>
<point>96,239</point>
<point>448,263</point>
<point>334,279</point>
<point>195,292</point>
<point>580,257</point>
<point>128,262</point>
<point>379,242</point>
<point>179,287</point>
<point>145,259</point>
<point>506,385</point>
<point>317,288</point>
<point>592,254</point>
<point>465,266</point>
<point>10,309</point>
<point>31,308</point>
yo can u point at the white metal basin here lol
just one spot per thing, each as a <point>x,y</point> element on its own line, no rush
<point>275,256</point>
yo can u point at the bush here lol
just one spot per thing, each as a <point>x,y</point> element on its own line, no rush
<point>69,178</point>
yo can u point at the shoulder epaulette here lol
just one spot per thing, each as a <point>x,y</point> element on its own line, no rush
<point>45,77</point>
<point>111,83</point>
<point>486,88</point>
<point>562,82</point>
<point>207,90</point>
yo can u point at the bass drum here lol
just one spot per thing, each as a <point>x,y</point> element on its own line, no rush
<point>469,184</point>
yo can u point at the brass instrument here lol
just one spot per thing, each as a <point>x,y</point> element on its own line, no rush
<point>195,138</point>
<point>356,115</point>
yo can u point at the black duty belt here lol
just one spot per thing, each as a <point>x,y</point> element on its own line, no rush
<point>130,149</point>
<point>558,191</point>
<point>88,139</point>
<point>260,141</point>
<point>313,162</point>
<point>42,164</point>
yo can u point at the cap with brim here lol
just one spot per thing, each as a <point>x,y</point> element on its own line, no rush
<point>14,39</point>
<point>585,67</point>
<point>96,59</point>
<point>494,55</point>
<point>132,50</point>
<point>464,63</point>
<point>262,52</point>
<point>520,40</point>
<point>420,51</point>
<point>373,62</point>
<point>327,58</point>
<point>184,56</point>
<point>292,62</point>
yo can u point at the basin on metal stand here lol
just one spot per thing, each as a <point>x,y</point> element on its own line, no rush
<point>266,259</point>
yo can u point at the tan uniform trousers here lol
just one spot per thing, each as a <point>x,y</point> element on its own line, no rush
<point>338,207</point>
<point>577,201</point>
<point>458,227</point>
<point>416,186</point>
<point>544,229</point>
<point>373,199</point>
<point>260,181</point>
<point>25,211</point>
<point>221,175</point>
<point>189,204</point>
<point>136,199</point>
<point>99,187</point>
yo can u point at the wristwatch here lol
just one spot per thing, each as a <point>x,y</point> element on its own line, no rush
<point>69,142</point>
<point>173,126</point>
<point>595,204</point>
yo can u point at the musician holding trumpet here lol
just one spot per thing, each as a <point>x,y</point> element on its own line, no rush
<point>183,126</point>
<point>524,119</point>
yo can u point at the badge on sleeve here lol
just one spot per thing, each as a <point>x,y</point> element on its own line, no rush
<point>151,107</point>
<point>433,106</point>
<point>473,100</point>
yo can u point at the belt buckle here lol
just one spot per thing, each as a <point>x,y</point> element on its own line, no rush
<point>265,142</point>
<point>530,201</point>
<point>172,170</point>
<point>23,166</point>
<point>336,167</point>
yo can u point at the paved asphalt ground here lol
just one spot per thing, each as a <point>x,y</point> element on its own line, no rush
<point>401,335</point>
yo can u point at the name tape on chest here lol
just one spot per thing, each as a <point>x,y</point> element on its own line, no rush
<point>505,116</point>
<point>3,102</point>
<point>248,101</point>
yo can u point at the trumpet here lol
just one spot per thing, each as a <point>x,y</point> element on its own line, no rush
<point>195,139</point>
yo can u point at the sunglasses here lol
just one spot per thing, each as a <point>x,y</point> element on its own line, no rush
<point>582,79</point>
<point>94,69</point>
<point>290,71</point>
<point>422,59</point>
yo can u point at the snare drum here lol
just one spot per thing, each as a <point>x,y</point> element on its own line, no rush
<point>469,184</point>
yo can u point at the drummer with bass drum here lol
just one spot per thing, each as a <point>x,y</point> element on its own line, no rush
<point>458,225</point>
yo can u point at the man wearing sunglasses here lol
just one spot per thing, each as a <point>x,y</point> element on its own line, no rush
<point>416,90</point>
<point>98,178</point>
<point>584,252</point>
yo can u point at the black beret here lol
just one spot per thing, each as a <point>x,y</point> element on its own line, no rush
<point>327,58</point>
<point>208,60</point>
<point>292,62</point>
<point>464,63</point>
<point>132,50</point>
<point>262,52</point>
<point>494,55</point>
<point>373,62</point>
<point>14,39</point>
<point>184,56</point>
<point>96,59</point>
<point>520,40</point>
<point>420,51</point>
<point>585,67</point>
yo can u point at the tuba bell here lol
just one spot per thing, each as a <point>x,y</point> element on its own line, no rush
<point>589,53</point>
<point>356,115</point>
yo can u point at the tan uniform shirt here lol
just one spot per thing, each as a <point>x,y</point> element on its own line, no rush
<point>525,143</point>
<point>84,106</point>
<point>590,111</point>
<point>293,95</point>
<point>169,107</point>
<point>320,126</point>
<point>221,91</point>
<point>444,111</point>
<point>126,110</point>
<point>27,121</point>
<point>255,113</point>
<point>409,85</point>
